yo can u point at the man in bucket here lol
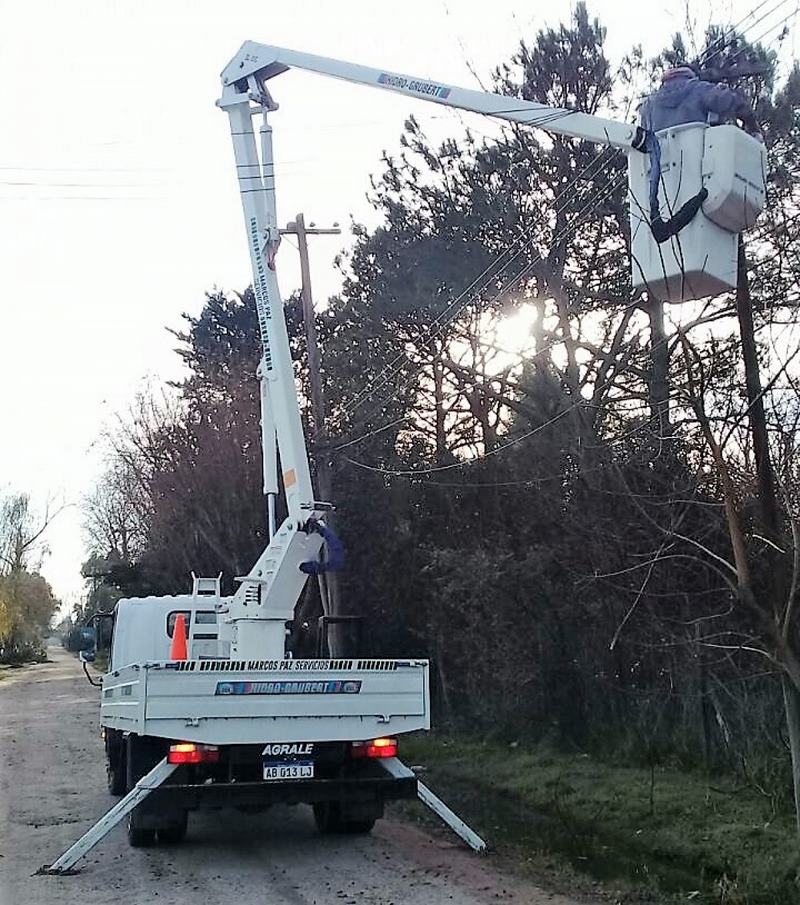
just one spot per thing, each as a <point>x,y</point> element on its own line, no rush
<point>684,98</point>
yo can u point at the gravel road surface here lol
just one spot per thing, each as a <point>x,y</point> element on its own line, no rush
<point>52,789</point>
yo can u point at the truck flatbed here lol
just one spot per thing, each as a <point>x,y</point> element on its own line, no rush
<point>221,702</point>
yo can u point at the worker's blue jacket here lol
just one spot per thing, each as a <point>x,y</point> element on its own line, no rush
<point>683,100</point>
<point>677,102</point>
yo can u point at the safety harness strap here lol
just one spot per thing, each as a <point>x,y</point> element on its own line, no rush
<point>666,229</point>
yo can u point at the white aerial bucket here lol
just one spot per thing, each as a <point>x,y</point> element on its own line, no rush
<point>700,260</point>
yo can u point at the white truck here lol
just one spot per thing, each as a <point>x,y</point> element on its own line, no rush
<point>239,720</point>
<point>250,732</point>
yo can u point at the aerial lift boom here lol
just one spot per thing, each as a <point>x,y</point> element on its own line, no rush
<point>256,63</point>
<point>698,261</point>
<point>254,620</point>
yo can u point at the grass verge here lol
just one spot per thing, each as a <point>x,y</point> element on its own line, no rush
<point>660,835</point>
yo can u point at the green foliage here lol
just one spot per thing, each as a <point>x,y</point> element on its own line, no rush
<point>27,606</point>
<point>102,594</point>
<point>659,830</point>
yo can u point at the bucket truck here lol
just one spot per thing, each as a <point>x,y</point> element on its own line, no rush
<point>242,721</point>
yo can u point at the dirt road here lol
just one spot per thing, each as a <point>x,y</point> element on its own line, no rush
<point>52,788</point>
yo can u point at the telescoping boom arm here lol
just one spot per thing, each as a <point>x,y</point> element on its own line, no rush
<point>255,620</point>
<point>263,62</point>
<point>698,261</point>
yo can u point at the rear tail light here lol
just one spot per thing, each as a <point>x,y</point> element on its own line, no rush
<point>378,747</point>
<point>189,753</point>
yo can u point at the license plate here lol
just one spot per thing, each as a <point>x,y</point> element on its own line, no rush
<point>275,770</point>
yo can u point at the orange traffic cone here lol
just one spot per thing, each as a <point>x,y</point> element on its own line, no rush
<point>177,649</point>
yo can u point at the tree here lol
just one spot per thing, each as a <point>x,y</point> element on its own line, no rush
<point>21,532</point>
<point>116,511</point>
<point>27,604</point>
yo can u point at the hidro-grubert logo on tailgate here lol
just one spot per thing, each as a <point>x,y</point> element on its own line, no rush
<point>289,687</point>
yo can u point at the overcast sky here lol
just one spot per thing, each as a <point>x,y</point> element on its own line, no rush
<point>118,202</point>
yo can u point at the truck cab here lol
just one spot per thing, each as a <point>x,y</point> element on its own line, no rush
<point>144,628</point>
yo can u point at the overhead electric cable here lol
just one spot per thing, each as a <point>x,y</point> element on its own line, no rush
<point>392,369</point>
<point>586,211</point>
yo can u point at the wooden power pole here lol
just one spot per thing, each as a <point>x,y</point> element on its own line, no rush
<point>770,510</point>
<point>297,227</point>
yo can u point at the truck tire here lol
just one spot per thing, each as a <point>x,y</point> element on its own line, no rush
<point>116,766</point>
<point>326,816</point>
<point>117,780</point>
<point>141,755</point>
<point>139,838</point>
<point>175,832</point>
<point>329,818</point>
<point>358,827</point>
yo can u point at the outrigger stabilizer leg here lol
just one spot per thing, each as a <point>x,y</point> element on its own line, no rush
<point>400,771</point>
<point>147,784</point>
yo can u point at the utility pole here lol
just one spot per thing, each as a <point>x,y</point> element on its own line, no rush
<point>297,227</point>
<point>770,510</point>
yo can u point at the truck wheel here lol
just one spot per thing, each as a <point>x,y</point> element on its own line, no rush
<point>116,768</point>
<point>139,838</point>
<point>175,832</point>
<point>358,827</point>
<point>329,819</point>
<point>327,816</point>
<point>117,780</point>
<point>141,755</point>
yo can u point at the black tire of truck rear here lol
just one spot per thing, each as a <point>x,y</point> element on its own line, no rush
<point>140,838</point>
<point>116,769</point>
<point>358,827</point>
<point>141,755</point>
<point>117,780</point>
<point>175,832</point>
<point>328,818</point>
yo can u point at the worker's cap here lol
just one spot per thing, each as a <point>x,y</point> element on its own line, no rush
<point>678,72</point>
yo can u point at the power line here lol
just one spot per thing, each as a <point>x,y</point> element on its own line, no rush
<point>381,379</point>
<point>466,462</point>
<point>731,31</point>
<point>378,430</point>
<point>408,473</point>
<point>438,324</point>
<point>781,24</point>
<point>78,185</point>
<point>387,399</point>
<point>28,169</point>
<point>519,275</point>
<point>584,213</point>
<point>28,199</point>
